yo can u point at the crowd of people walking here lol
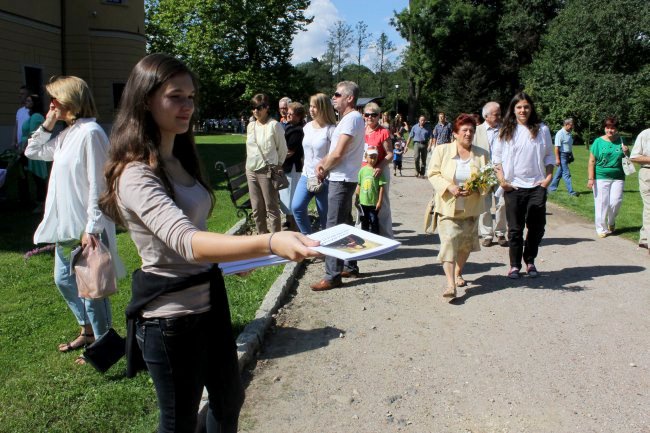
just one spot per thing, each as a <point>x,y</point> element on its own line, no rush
<point>147,178</point>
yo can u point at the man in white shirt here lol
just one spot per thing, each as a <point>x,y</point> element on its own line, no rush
<point>486,135</point>
<point>641,155</point>
<point>524,161</point>
<point>341,165</point>
<point>283,108</point>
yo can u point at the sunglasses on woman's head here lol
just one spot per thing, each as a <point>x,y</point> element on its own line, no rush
<point>370,114</point>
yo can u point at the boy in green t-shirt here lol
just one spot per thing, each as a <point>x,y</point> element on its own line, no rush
<point>370,192</point>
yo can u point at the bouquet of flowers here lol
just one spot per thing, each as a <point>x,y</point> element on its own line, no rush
<point>483,180</point>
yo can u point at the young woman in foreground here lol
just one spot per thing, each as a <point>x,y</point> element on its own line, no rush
<point>179,309</point>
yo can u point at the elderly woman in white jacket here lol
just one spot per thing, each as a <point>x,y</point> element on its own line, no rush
<point>72,215</point>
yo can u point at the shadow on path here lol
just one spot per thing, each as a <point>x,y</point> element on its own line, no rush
<point>290,341</point>
<point>564,280</point>
<point>564,241</point>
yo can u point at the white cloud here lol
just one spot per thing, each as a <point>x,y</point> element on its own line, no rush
<point>313,42</point>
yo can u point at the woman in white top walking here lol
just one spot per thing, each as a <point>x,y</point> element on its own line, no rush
<point>72,214</point>
<point>524,160</point>
<point>316,145</point>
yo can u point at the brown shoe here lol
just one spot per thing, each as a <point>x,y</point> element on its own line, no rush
<point>643,245</point>
<point>347,274</point>
<point>486,242</point>
<point>325,285</point>
<point>502,241</point>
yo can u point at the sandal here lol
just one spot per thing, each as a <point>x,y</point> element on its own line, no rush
<point>460,281</point>
<point>450,293</point>
<point>80,360</point>
<point>82,340</point>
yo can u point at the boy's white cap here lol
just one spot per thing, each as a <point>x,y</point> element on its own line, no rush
<point>372,150</point>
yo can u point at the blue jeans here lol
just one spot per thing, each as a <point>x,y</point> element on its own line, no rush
<point>564,173</point>
<point>183,355</point>
<point>339,212</point>
<point>97,311</point>
<point>300,203</point>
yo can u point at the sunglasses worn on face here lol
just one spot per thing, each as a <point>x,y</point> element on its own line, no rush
<point>370,114</point>
<point>337,95</point>
<point>260,107</point>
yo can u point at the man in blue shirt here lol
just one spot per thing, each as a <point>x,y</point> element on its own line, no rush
<point>442,131</point>
<point>563,151</point>
<point>421,136</point>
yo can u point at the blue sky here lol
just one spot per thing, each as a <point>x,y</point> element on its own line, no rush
<point>375,13</point>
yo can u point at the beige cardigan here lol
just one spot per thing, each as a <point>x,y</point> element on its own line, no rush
<point>441,174</point>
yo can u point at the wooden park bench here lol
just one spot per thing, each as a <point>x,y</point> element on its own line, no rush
<point>237,186</point>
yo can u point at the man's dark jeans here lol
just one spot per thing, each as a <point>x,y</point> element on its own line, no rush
<point>370,219</point>
<point>525,207</point>
<point>339,211</point>
<point>183,354</point>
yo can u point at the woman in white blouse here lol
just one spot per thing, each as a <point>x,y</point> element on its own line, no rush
<point>316,145</point>
<point>72,214</point>
<point>265,144</point>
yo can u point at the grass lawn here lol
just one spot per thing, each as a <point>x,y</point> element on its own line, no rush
<point>628,222</point>
<point>42,390</point>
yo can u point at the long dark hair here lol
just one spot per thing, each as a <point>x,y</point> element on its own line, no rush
<point>37,104</point>
<point>510,120</point>
<point>136,136</point>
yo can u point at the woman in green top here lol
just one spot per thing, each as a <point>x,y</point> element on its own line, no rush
<point>606,176</point>
<point>39,169</point>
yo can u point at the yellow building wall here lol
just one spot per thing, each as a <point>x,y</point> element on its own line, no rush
<point>101,44</point>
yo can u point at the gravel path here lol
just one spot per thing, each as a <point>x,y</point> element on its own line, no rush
<point>566,352</point>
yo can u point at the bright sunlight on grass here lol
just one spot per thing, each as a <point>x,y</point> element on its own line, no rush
<point>43,391</point>
<point>628,222</point>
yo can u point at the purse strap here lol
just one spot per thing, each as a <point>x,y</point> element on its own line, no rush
<point>266,161</point>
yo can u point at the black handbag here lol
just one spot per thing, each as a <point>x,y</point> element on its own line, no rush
<point>105,351</point>
<point>570,158</point>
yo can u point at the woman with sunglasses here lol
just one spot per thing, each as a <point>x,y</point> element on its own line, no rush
<point>178,316</point>
<point>293,163</point>
<point>379,137</point>
<point>265,144</point>
<point>72,213</point>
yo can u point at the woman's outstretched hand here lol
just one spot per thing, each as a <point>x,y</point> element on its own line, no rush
<point>293,246</point>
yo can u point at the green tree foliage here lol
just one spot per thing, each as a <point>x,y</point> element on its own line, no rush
<point>236,47</point>
<point>361,42</point>
<point>340,39</point>
<point>595,62</point>
<point>383,47</point>
<point>463,53</point>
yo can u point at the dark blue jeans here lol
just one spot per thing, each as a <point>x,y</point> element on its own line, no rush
<point>370,219</point>
<point>525,208</point>
<point>564,173</point>
<point>183,355</point>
